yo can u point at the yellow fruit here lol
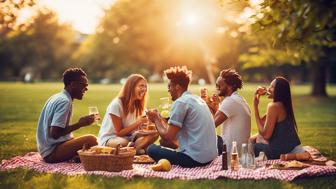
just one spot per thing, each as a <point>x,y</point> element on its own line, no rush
<point>156,167</point>
<point>165,164</point>
<point>162,165</point>
<point>165,113</point>
<point>106,149</point>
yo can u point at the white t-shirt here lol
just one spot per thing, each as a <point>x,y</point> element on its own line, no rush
<point>107,130</point>
<point>237,127</point>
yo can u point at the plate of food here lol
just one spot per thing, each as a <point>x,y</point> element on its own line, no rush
<point>291,165</point>
<point>143,159</point>
<point>148,130</point>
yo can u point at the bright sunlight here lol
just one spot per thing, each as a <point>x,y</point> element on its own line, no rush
<point>82,14</point>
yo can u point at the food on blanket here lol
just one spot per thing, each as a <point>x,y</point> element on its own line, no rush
<point>162,165</point>
<point>107,150</point>
<point>298,156</point>
<point>165,164</point>
<point>143,159</point>
<point>278,166</point>
<point>320,159</point>
<point>287,157</point>
<point>296,164</point>
<point>156,167</point>
<point>303,156</point>
<point>101,149</point>
<point>330,163</point>
<point>289,165</point>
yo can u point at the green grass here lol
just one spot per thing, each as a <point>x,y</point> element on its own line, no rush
<point>22,103</point>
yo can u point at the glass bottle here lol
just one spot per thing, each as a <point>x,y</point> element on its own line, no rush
<point>243,157</point>
<point>251,164</point>
<point>234,157</point>
<point>224,158</point>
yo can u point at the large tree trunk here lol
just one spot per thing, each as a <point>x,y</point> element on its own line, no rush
<point>319,78</point>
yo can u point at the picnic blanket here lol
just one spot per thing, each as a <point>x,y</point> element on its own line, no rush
<point>34,162</point>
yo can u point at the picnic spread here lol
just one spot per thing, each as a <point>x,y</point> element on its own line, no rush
<point>141,167</point>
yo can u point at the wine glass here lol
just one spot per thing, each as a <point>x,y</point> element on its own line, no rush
<point>165,107</point>
<point>93,110</point>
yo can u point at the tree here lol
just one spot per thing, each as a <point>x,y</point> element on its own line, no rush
<point>293,32</point>
<point>42,44</point>
<point>9,14</point>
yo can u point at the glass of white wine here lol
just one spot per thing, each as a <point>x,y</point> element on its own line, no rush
<point>165,106</point>
<point>94,110</point>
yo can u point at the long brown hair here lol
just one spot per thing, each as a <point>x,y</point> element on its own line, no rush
<point>127,93</point>
<point>282,94</point>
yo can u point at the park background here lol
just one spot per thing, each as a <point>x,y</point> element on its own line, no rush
<point>260,39</point>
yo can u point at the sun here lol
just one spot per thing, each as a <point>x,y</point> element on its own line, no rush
<point>190,19</point>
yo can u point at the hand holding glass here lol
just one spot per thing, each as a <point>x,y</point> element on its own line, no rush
<point>93,110</point>
<point>165,107</point>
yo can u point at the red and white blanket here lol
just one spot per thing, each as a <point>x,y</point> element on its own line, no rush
<point>34,161</point>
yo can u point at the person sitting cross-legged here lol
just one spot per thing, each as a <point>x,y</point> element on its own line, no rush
<point>125,115</point>
<point>190,123</point>
<point>55,141</point>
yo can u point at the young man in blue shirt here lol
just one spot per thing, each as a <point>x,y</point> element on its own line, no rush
<point>190,123</point>
<point>55,141</point>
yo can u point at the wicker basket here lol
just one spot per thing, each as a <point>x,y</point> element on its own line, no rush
<point>107,162</point>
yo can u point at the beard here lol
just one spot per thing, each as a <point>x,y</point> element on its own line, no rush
<point>224,92</point>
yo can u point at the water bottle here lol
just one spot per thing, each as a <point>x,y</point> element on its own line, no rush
<point>251,164</point>
<point>243,157</point>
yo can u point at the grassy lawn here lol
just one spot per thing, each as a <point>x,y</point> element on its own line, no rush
<point>22,103</point>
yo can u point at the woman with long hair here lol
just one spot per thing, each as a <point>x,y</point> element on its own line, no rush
<point>125,114</point>
<point>277,129</point>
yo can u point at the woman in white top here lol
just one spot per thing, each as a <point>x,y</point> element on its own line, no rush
<point>124,115</point>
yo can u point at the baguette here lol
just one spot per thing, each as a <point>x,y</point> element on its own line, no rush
<point>298,156</point>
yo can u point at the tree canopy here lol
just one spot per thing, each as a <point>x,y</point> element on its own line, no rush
<point>40,45</point>
<point>293,32</point>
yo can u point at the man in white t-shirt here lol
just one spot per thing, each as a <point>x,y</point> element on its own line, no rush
<point>233,112</point>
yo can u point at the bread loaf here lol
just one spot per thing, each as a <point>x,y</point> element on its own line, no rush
<point>298,156</point>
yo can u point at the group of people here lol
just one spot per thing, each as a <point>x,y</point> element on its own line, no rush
<point>189,136</point>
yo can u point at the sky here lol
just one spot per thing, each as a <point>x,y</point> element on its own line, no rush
<point>84,15</point>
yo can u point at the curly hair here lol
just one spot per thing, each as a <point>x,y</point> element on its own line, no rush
<point>72,74</point>
<point>232,78</point>
<point>179,75</point>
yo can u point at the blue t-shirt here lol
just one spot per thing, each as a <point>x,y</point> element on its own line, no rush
<point>197,137</point>
<point>56,112</point>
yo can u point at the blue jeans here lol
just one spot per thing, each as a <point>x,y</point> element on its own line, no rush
<point>270,154</point>
<point>176,158</point>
